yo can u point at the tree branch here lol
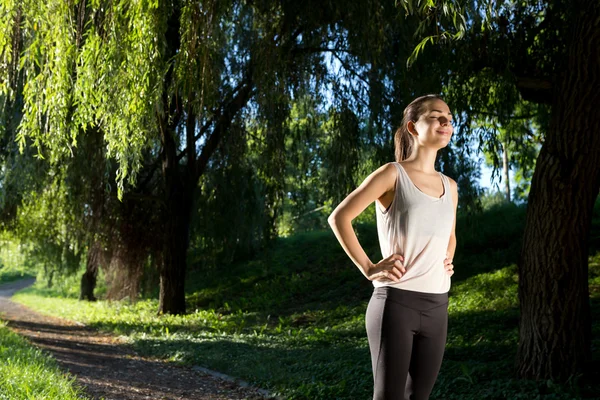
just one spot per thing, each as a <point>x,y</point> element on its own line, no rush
<point>535,89</point>
<point>221,122</point>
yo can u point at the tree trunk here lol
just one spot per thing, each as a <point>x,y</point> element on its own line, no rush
<point>505,170</point>
<point>88,279</point>
<point>555,324</point>
<point>179,190</point>
<point>176,240</point>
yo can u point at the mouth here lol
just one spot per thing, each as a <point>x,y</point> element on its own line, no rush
<point>443,132</point>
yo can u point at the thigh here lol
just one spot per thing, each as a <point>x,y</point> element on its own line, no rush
<point>428,351</point>
<point>390,330</point>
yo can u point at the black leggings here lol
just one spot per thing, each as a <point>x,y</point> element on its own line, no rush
<point>407,336</point>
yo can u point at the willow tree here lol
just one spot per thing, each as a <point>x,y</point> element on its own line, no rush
<point>165,82</point>
<point>549,51</point>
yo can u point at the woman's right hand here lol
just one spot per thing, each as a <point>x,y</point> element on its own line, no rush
<point>389,269</point>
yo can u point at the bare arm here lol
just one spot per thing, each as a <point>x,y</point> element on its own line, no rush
<point>452,243</point>
<point>373,187</point>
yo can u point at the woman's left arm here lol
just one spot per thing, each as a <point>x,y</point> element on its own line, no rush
<point>452,243</point>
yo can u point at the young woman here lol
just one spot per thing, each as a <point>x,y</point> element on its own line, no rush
<point>407,316</point>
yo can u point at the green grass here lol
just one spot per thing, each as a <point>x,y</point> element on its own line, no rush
<point>27,373</point>
<point>292,319</point>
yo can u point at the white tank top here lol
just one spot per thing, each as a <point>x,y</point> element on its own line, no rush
<point>418,227</point>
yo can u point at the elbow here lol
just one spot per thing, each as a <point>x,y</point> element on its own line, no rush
<point>338,218</point>
<point>331,220</point>
<point>335,218</point>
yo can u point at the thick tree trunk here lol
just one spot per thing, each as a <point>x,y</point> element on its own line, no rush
<point>176,241</point>
<point>555,325</point>
<point>180,181</point>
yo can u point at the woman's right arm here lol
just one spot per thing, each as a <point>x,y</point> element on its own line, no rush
<point>373,187</point>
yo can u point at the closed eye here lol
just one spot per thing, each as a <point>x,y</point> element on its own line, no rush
<point>450,120</point>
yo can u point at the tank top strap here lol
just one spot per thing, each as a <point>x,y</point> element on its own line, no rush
<point>403,179</point>
<point>446,183</point>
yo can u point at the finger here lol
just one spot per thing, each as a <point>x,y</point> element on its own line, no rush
<point>396,256</point>
<point>400,267</point>
<point>390,276</point>
<point>396,272</point>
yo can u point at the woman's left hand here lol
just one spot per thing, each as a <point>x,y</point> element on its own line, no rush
<point>448,266</point>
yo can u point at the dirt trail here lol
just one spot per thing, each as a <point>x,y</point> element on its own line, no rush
<point>108,368</point>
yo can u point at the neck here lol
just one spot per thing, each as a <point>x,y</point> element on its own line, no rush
<point>423,159</point>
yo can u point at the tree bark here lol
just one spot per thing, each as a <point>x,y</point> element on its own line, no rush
<point>555,324</point>
<point>176,240</point>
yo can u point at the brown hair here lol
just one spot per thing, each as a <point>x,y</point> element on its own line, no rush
<point>403,140</point>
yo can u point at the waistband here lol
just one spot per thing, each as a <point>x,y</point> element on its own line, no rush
<point>408,298</point>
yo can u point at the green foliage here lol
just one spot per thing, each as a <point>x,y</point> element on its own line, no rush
<point>292,318</point>
<point>13,262</point>
<point>27,373</point>
<point>429,13</point>
<point>9,10</point>
<point>232,194</point>
<point>107,75</point>
<point>49,230</point>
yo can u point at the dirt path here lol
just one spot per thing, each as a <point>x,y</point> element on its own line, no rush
<point>106,367</point>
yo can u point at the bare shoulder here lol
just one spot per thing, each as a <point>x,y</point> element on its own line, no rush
<point>389,169</point>
<point>386,174</point>
<point>453,183</point>
<point>376,185</point>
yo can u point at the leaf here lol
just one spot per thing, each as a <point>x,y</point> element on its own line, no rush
<point>419,49</point>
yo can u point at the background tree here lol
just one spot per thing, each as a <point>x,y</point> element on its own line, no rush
<point>167,83</point>
<point>520,136</point>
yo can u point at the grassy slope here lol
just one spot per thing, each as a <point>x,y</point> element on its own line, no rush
<point>292,319</point>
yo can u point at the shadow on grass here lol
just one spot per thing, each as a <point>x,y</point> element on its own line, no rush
<point>340,371</point>
<point>478,364</point>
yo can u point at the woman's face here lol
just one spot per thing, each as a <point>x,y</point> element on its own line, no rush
<point>434,126</point>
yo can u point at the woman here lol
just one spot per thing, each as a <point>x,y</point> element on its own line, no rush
<point>407,316</point>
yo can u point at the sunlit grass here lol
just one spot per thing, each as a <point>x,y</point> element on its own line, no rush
<point>493,291</point>
<point>27,373</point>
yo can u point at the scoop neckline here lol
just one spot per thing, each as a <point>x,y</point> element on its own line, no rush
<point>420,191</point>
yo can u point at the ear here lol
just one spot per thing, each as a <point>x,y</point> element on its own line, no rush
<point>410,126</point>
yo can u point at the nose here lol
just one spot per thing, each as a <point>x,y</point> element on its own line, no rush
<point>444,121</point>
